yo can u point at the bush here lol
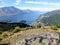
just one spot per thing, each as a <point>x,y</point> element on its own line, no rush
<point>10,30</point>
<point>37,26</point>
<point>0,32</point>
<point>1,37</point>
<point>17,29</point>
<point>54,28</point>
<point>58,26</point>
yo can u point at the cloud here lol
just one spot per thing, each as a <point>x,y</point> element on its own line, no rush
<point>17,2</point>
<point>53,6</point>
<point>43,3</point>
<point>38,9</point>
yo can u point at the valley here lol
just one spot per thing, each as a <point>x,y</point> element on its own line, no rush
<point>28,27</point>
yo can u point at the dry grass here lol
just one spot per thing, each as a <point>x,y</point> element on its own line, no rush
<point>23,31</point>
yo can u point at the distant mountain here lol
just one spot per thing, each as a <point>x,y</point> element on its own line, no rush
<point>12,14</point>
<point>9,11</point>
<point>50,18</point>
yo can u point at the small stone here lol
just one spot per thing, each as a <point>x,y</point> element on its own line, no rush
<point>46,41</point>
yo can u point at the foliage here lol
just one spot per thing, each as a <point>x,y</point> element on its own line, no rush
<point>57,25</point>
<point>17,29</point>
<point>38,26</point>
<point>51,20</point>
<point>12,27</point>
<point>54,28</point>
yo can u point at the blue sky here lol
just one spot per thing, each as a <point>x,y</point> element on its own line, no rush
<point>39,5</point>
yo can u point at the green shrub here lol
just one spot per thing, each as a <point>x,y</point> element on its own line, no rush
<point>58,26</point>
<point>1,37</point>
<point>54,28</point>
<point>39,26</point>
<point>0,32</point>
<point>10,30</point>
<point>17,29</point>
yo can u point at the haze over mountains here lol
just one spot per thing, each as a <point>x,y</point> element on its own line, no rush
<point>12,14</point>
<point>49,18</point>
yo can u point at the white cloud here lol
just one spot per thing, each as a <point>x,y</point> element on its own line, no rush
<point>17,2</point>
<point>41,8</point>
<point>38,9</point>
<point>43,3</point>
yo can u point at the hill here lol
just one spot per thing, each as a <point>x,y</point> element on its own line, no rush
<point>50,18</point>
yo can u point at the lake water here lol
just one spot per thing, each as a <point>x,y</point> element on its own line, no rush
<point>29,18</point>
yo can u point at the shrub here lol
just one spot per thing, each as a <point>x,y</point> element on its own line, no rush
<point>10,30</point>
<point>38,26</point>
<point>1,37</point>
<point>17,29</point>
<point>58,26</point>
<point>54,28</point>
<point>0,32</point>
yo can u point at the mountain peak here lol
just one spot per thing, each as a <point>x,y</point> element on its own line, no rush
<point>11,10</point>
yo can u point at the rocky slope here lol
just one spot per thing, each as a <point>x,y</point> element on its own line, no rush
<point>33,37</point>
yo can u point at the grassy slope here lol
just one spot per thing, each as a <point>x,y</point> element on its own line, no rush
<point>26,33</point>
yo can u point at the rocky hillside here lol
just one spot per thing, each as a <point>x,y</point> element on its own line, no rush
<point>50,18</point>
<point>33,37</point>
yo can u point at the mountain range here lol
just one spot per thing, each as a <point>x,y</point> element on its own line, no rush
<point>49,18</point>
<point>12,14</point>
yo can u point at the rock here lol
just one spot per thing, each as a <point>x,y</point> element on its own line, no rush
<point>36,42</point>
<point>46,41</point>
<point>49,34</point>
<point>36,37</point>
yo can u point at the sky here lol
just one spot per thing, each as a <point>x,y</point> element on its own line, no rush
<point>38,5</point>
